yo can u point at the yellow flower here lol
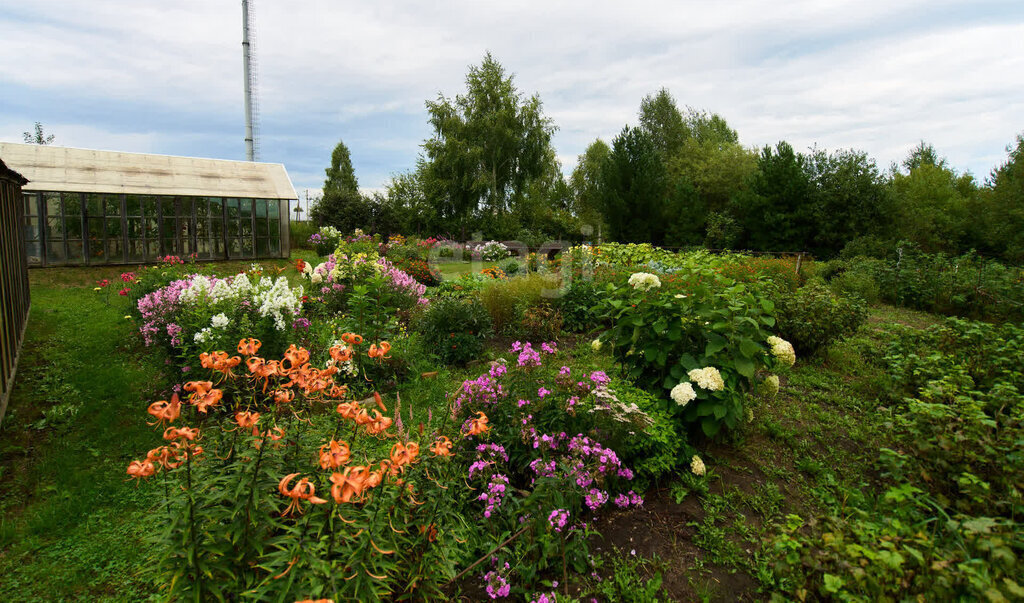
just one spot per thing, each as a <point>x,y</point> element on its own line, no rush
<point>97,288</point>
<point>127,317</point>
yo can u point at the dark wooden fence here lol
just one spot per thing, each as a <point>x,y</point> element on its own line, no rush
<point>14,296</point>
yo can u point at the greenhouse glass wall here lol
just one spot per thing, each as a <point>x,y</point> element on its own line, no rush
<point>101,207</point>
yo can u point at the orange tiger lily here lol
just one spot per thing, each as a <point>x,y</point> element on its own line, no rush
<point>336,455</point>
<point>302,490</point>
<point>378,424</point>
<point>478,425</point>
<point>352,338</point>
<point>165,456</point>
<point>404,454</point>
<point>441,447</point>
<point>380,352</point>
<point>141,469</point>
<point>362,417</point>
<point>184,433</point>
<point>282,396</point>
<point>338,391</point>
<point>379,401</point>
<point>248,347</point>
<point>219,361</point>
<point>198,388</point>
<point>246,419</point>
<point>341,354</point>
<point>349,410</point>
<point>206,400</point>
<point>349,483</point>
<point>295,357</point>
<point>165,411</point>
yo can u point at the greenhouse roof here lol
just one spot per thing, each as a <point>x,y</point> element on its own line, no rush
<point>50,168</point>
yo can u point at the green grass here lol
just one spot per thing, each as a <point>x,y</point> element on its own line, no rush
<point>451,270</point>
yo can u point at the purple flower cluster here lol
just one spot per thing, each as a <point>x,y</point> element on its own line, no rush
<point>157,308</point>
<point>497,489</point>
<point>595,498</point>
<point>487,455</point>
<point>629,498</point>
<point>485,389</point>
<point>174,332</point>
<point>544,598</point>
<point>301,323</point>
<point>558,518</point>
<point>497,586</point>
<point>401,282</point>
<point>528,356</point>
<point>599,378</point>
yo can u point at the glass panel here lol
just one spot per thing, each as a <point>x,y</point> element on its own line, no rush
<point>168,229</point>
<point>76,254</point>
<point>134,228</point>
<point>245,227</point>
<point>149,206</point>
<point>97,251</point>
<point>202,207</point>
<point>33,251</point>
<point>151,228</point>
<point>94,205</point>
<point>54,230</point>
<point>203,248</point>
<point>234,248</point>
<point>113,203</point>
<point>261,208</point>
<point>32,228</point>
<point>274,247</point>
<point>274,229</point>
<point>274,209</point>
<point>261,227</point>
<point>55,251</point>
<point>136,251</point>
<point>72,215</point>
<point>52,204</point>
<point>133,205</point>
<point>247,248</point>
<point>96,228</point>
<point>152,249</point>
<point>170,248</point>
<point>246,208</point>
<point>114,252</point>
<point>31,205</point>
<point>113,228</point>
<point>262,249</point>
<point>232,228</point>
<point>232,208</point>
<point>216,206</point>
<point>217,248</point>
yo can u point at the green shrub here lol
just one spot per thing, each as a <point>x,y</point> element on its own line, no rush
<point>512,266</point>
<point>540,322</point>
<point>299,233</point>
<point>715,334</point>
<point>454,329</point>
<point>857,284</point>
<point>652,452</point>
<point>578,305</point>
<point>507,299</point>
<point>813,316</point>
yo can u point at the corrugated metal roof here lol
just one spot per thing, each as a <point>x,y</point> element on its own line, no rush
<point>50,168</point>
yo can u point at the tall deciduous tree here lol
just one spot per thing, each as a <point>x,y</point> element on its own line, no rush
<point>1003,214</point>
<point>341,205</point>
<point>586,184</point>
<point>37,136</point>
<point>488,144</point>
<point>932,201</point>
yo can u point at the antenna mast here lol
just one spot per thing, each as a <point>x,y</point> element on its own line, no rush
<point>249,66</point>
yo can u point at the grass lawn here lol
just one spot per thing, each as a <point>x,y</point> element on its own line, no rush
<point>452,270</point>
<point>73,528</point>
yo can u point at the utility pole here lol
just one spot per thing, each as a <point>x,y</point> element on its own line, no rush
<point>249,153</point>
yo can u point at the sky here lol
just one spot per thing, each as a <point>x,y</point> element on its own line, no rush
<point>166,77</point>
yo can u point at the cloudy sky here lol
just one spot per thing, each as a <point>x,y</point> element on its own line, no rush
<point>166,77</point>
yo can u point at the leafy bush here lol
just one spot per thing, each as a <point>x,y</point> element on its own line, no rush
<point>507,300</point>
<point>813,316</point>
<point>578,304</point>
<point>541,322</point>
<point>968,285</point>
<point>946,523</point>
<point>325,240</point>
<point>511,266</point>
<point>299,233</point>
<point>714,335</point>
<point>454,329</point>
<point>420,270</point>
<point>464,286</point>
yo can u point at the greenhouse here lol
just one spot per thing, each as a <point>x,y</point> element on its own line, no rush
<point>103,207</point>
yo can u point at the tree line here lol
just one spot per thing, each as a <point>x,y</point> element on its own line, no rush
<point>678,178</point>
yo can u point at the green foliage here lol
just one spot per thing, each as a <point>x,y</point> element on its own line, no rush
<point>454,329</point>
<point>661,334</point>
<point>631,579</point>
<point>813,316</point>
<point>488,145</point>
<point>341,206</point>
<point>506,300</point>
<point>578,305</point>
<point>967,285</point>
<point>944,524</point>
<point>299,233</point>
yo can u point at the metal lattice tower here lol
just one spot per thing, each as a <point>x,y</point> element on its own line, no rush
<point>249,65</point>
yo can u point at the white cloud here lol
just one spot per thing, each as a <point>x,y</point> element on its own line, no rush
<point>877,76</point>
